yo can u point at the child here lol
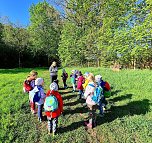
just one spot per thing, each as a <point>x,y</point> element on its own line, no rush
<point>64,78</point>
<point>86,80</point>
<point>53,71</point>
<point>31,82</point>
<point>90,89</point>
<point>105,86</point>
<point>52,116</point>
<point>79,84</point>
<point>39,82</point>
<point>98,79</point>
<point>73,79</point>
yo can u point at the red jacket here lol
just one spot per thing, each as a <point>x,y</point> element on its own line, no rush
<point>80,81</point>
<point>57,112</point>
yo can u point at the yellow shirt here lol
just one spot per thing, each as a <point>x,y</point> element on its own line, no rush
<point>85,84</point>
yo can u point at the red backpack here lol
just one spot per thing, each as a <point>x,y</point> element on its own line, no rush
<point>107,86</point>
<point>26,86</point>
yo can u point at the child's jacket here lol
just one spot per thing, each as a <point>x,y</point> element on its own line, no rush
<point>73,78</point>
<point>64,76</point>
<point>42,94</point>
<point>85,84</point>
<point>80,82</point>
<point>57,112</point>
<point>89,92</point>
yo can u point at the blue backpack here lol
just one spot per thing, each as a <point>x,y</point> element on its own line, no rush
<point>51,103</point>
<point>37,95</point>
<point>97,94</point>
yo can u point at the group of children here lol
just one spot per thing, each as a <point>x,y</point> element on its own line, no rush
<point>91,88</point>
<point>52,102</point>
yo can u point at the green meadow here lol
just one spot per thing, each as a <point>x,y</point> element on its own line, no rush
<point>128,118</point>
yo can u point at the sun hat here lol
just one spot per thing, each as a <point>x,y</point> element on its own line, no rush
<point>86,74</point>
<point>54,86</point>
<point>98,78</point>
<point>39,81</point>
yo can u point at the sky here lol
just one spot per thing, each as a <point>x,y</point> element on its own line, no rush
<point>17,10</point>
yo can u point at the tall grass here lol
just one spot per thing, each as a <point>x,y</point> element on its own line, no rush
<point>129,118</point>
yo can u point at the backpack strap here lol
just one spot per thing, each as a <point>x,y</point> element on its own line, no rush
<point>91,85</point>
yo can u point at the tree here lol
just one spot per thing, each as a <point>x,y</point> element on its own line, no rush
<point>16,36</point>
<point>45,29</point>
<point>110,31</point>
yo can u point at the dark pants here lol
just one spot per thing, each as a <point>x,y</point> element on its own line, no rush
<point>40,111</point>
<point>92,115</point>
<point>64,83</point>
<point>52,78</point>
<point>102,103</point>
<point>80,93</point>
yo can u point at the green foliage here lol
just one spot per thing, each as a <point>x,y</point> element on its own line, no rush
<point>107,31</point>
<point>44,29</point>
<point>103,32</point>
<point>16,36</point>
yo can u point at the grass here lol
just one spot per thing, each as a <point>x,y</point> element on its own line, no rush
<point>128,120</point>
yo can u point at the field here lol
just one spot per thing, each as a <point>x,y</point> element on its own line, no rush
<point>127,120</point>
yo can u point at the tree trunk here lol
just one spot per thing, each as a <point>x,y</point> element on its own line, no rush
<point>88,63</point>
<point>81,64</point>
<point>19,59</point>
<point>48,60</point>
<point>98,62</point>
<point>134,63</point>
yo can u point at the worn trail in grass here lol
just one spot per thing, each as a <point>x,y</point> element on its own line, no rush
<point>128,120</point>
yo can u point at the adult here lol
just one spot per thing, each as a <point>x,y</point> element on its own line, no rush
<point>53,71</point>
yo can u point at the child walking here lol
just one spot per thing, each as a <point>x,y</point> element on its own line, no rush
<point>73,80</point>
<point>105,86</point>
<point>90,89</point>
<point>86,80</point>
<point>29,84</point>
<point>64,78</point>
<point>38,96</point>
<point>54,110</point>
<point>79,84</point>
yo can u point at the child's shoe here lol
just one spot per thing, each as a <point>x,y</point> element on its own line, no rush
<point>89,126</point>
<point>40,120</point>
<point>34,112</point>
<point>84,104</point>
<point>49,130</point>
<point>86,123</point>
<point>54,133</point>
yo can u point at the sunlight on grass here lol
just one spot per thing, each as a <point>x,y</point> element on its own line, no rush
<point>129,118</point>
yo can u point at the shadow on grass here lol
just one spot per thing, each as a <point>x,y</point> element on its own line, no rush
<point>62,88</point>
<point>68,97</point>
<point>115,92</point>
<point>65,92</point>
<point>74,103</point>
<point>127,96</point>
<point>130,109</point>
<point>72,127</point>
<point>76,110</point>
